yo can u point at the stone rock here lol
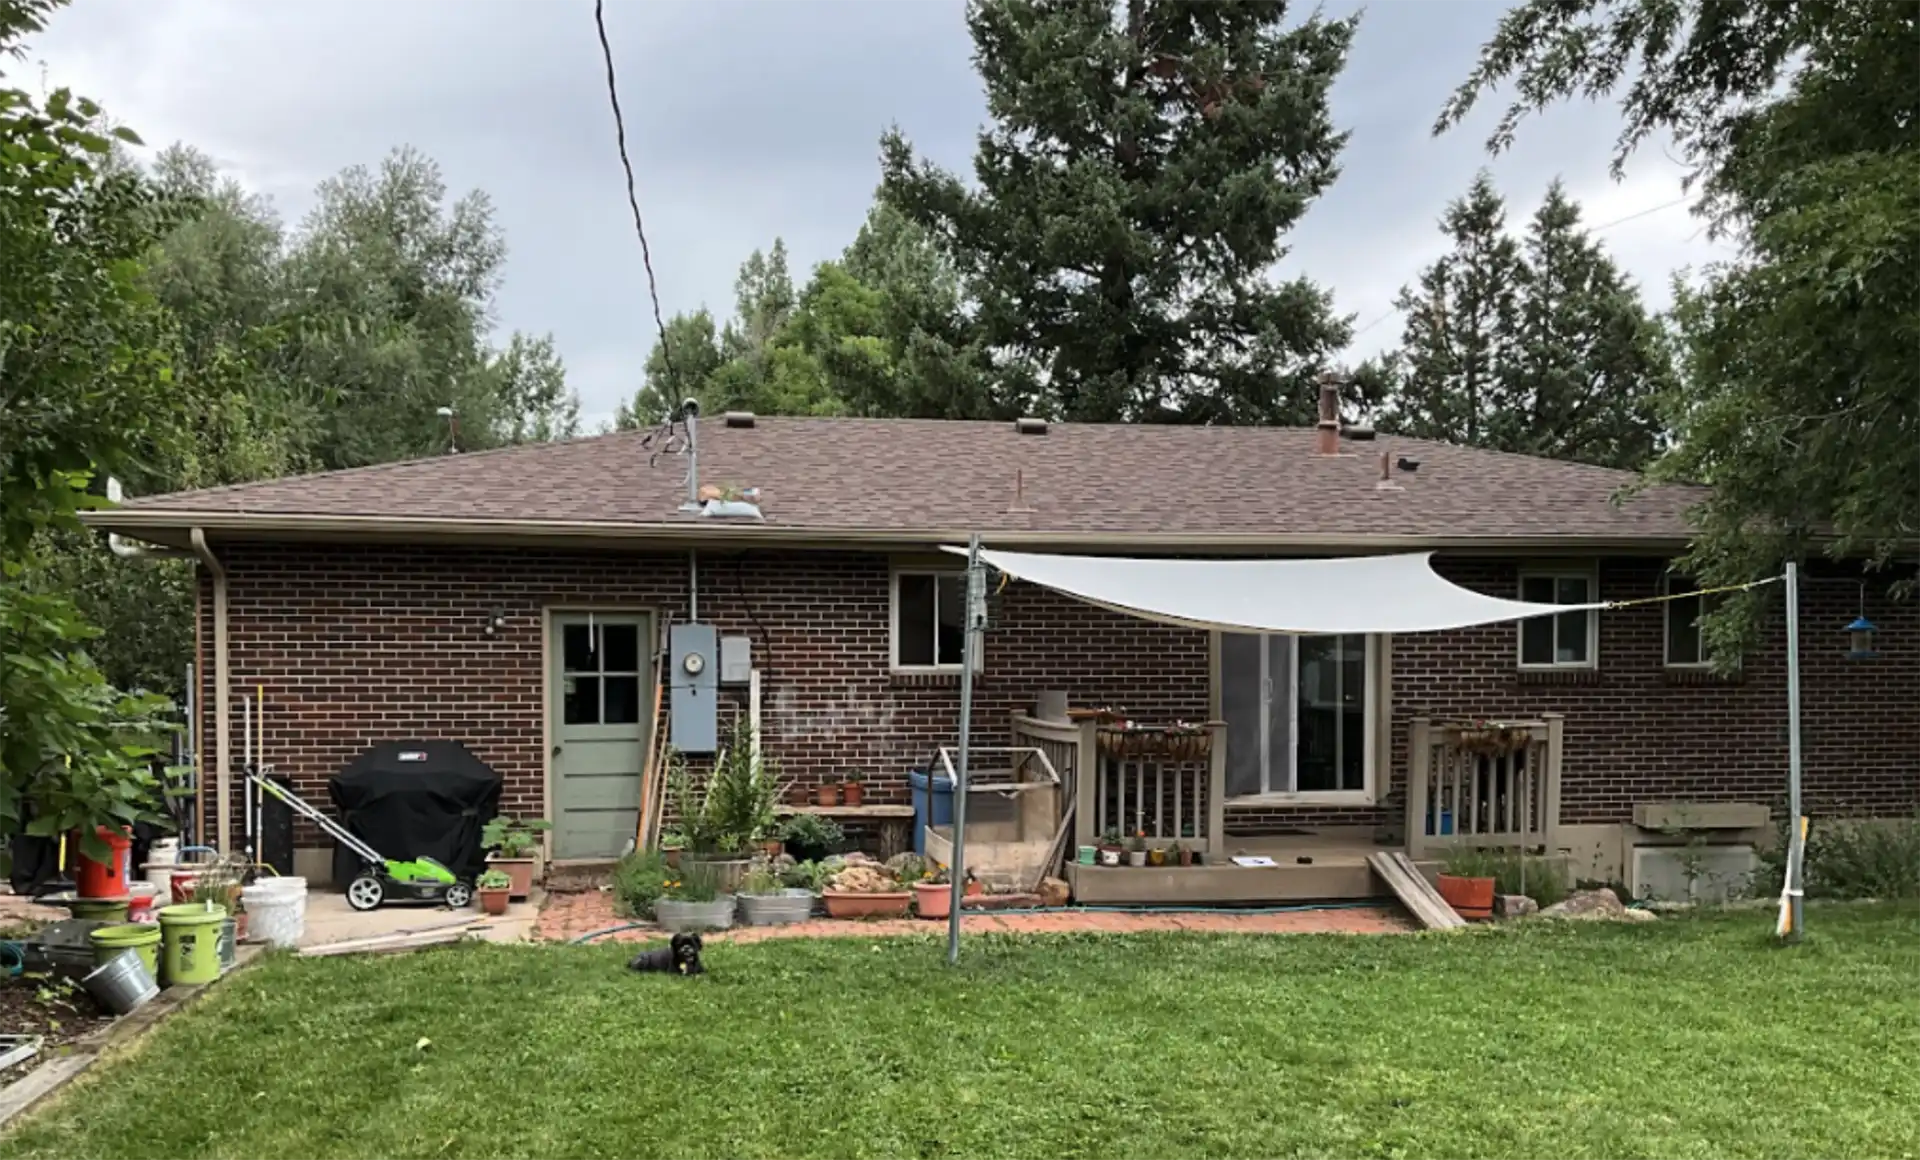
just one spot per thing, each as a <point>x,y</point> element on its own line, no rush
<point>899,861</point>
<point>1601,903</point>
<point>856,858</point>
<point>1054,892</point>
<point>1513,905</point>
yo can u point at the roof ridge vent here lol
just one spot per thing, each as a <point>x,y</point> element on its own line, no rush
<point>1030,425</point>
<point>738,419</point>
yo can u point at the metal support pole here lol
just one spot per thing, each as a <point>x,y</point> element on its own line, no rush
<point>969,652</point>
<point>1796,841</point>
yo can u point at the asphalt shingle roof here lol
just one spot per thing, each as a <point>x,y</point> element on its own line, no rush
<point>921,476</point>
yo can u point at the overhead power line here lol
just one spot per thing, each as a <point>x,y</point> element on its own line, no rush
<point>633,199</point>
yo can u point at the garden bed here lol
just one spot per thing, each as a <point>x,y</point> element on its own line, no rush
<point>58,1013</point>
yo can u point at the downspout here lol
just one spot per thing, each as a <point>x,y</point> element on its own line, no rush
<point>131,551</point>
<point>222,702</point>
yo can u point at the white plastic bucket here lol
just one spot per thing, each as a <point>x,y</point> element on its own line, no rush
<point>276,910</point>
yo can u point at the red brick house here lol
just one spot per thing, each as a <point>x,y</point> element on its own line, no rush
<point>516,600</point>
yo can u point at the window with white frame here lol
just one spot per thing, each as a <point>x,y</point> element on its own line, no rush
<point>1570,640</point>
<point>1686,645</point>
<point>929,619</point>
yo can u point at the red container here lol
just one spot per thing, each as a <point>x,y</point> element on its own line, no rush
<point>106,879</point>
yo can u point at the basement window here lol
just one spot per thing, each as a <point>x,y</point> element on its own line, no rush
<point>929,619</point>
<point>1570,640</point>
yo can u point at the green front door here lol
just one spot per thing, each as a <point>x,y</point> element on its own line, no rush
<point>601,680</point>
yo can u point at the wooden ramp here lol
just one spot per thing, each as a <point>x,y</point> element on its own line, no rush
<point>1414,891</point>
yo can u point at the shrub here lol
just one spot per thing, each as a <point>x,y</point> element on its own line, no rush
<point>639,879</point>
<point>814,834</point>
<point>693,882</point>
<point>1853,858</point>
<point>811,875</point>
<point>1542,879</point>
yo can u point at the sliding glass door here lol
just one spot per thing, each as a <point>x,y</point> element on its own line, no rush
<point>1299,712</point>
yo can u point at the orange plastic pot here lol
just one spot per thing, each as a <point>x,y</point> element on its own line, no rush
<point>932,899</point>
<point>1469,897</point>
<point>845,904</point>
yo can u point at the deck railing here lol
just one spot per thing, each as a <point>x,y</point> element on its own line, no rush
<point>1483,784</point>
<point>1169,793</point>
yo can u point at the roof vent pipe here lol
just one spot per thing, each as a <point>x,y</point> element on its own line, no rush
<point>738,419</point>
<point>1327,441</point>
<point>690,414</point>
<point>1028,425</point>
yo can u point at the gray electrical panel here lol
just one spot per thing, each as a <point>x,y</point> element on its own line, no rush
<point>694,680</point>
<point>736,660</point>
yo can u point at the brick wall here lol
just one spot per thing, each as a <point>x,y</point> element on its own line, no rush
<point>354,644</point>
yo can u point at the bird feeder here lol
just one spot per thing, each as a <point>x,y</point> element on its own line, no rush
<point>1860,639</point>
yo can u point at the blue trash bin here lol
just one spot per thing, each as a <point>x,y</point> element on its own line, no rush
<point>935,812</point>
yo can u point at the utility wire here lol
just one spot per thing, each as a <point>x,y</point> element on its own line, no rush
<point>633,199</point>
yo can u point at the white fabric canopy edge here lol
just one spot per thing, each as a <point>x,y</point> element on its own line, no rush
<point>1302,597</point>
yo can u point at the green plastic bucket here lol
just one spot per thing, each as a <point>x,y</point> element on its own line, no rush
<point>140,938</point>
<point>100,909</point>
<point>190,942</point>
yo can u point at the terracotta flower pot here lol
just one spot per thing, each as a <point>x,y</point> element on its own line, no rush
<point>673,856</point>
<point>974,888</point>
<point>519,870</point>
<point>826,795</point>
<point>1186,857</point>
<point>845,904</point>
<point>494,901</point>
<point>773,847</point>
<point>1469,897</point>
<point>932,899</point>
<point>851,792</point>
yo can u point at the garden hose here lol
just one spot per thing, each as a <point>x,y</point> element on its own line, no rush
<point>1362,904</point>
<point>13,958</point>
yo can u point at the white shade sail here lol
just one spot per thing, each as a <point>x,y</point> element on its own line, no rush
<point>1355,594</point>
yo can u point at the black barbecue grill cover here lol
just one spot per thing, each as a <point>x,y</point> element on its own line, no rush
<point>412,799</point>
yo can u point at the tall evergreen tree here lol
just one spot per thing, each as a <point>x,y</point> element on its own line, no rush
<point>1460,326</point>
<point>1588,363</point>
<point>1144,163</point>
<point>1544,349</point>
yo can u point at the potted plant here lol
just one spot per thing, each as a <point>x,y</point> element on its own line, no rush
<point>512,845</point>
<point>1467,881</point>
<point>827,795</point>
<point>766,900</point>
<point>1137,849</point>
<point>1157,856</point>
<point>494,887</point>
<point>812,838</point>
<point>1110,847</point>
<point>671,843</point>
<point>1180,854</point>
<point>735,810</point>
<point>866,891</point>
<point>852,789</point>
<point>933,894</point>
<point>694,901</point>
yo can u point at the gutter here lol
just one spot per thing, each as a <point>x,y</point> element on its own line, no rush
<point>222,701</point>
<point>127,551</point>
<point>152,523</point>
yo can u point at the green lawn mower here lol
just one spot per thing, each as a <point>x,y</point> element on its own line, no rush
<point>381,880</point>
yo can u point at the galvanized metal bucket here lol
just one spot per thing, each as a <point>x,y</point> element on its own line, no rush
<point>121,984</point>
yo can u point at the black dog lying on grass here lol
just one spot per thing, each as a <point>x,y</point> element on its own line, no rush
<point>681,956</point>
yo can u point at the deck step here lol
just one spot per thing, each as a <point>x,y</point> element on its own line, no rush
<point>1414,891</point>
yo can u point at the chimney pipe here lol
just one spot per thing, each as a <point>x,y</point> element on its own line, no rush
<point>1327,441</point>
<point>1386,475</point>
<point>690,414</point>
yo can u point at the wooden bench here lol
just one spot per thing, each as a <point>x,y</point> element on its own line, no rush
<point>894,822</point>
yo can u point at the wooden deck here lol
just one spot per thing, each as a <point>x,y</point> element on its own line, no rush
<point>1311,868</point>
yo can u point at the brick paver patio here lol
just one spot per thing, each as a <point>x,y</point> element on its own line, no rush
<point>568,916</point>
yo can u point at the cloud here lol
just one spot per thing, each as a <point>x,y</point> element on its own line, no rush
<point>751,119</point>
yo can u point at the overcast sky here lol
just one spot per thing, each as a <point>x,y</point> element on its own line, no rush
<point>751,119</point>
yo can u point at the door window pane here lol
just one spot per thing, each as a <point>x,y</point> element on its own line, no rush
<point>913,631</point>
<point>951,604</point>
<point>581,703</point>
<point>1331,750</point>
<point>620,648</point>
<point>577,648</point>
<point>623,700</point>
<point>1242,703</point>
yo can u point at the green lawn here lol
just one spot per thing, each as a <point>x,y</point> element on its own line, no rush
<point>1687,1037</point>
